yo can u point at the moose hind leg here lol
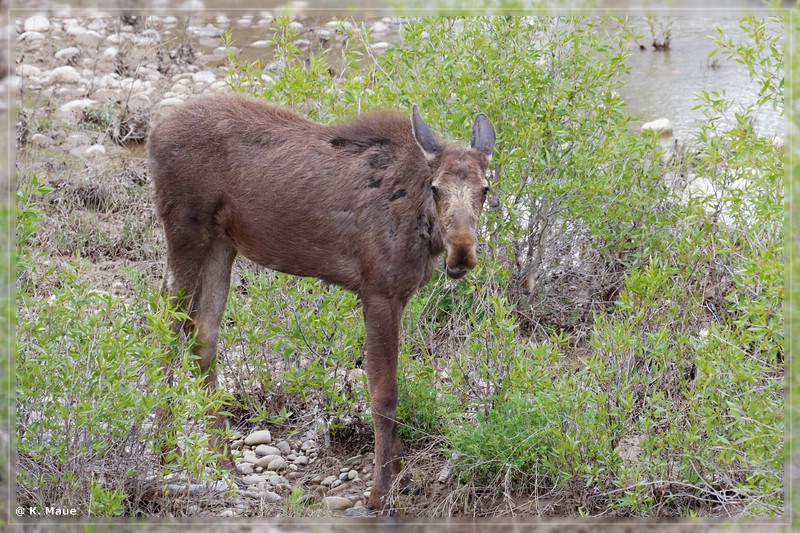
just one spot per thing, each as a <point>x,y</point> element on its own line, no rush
<point>198,276</point>
<point>208,308</point>
<point>181,281</point>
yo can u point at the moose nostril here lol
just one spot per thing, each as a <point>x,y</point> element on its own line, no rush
<point>460,260</point>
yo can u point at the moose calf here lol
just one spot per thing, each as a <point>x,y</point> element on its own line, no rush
<point>368,204</point>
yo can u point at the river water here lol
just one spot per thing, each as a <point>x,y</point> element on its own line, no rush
<point>662,83</point>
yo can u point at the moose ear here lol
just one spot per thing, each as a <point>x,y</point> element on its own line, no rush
<point>423,135</point>
<point>482,137</point>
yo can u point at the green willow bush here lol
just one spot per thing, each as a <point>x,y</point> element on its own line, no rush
<point>673,294</point>
<point>89,379</point>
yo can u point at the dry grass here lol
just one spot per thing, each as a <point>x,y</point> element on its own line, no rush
<point>99,210</point>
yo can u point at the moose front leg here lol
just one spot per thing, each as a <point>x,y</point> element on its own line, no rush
<point>382,317</point>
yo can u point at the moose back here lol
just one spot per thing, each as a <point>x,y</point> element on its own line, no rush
<point>368,204</point>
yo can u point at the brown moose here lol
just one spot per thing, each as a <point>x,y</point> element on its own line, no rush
<point>368,205</point>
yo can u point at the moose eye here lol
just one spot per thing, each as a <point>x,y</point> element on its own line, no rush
<point>435,191</point>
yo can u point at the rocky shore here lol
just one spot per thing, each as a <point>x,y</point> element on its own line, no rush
<point>297,468</point>
<point>131,69</point>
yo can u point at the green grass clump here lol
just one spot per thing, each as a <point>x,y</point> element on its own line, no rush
<point>508,448</point>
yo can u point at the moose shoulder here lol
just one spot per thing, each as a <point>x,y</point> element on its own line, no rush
<point>368,204</point>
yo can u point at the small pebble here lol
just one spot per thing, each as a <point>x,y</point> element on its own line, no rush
<point>249,457</point>
<point>209,31</point>
<point>172,102</point>
<point>65,74</point>
<point>206,76</point>
<point>264,449</point>
<point>31,37</point>
<point>253,479</point>
<point>271,497</point>
<point>27,71</point>
<point>36,23</point>
<point>72,110</point>
<point>77,29</point>
<point>341,488</point>
<point>97,25</point>
<point>278,463</point>
<point>277,480</point>
<point>258,437</point>
<point>379,46</point>
<point>379,27</point>
<point>68,53</point>
<point>339,24</point>
<point>40,140</point>
<point>662,124</point>
<point>337,503</point>
<point>265,460</point>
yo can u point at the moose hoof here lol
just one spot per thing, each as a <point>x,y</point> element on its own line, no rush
<point>383,512</point>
